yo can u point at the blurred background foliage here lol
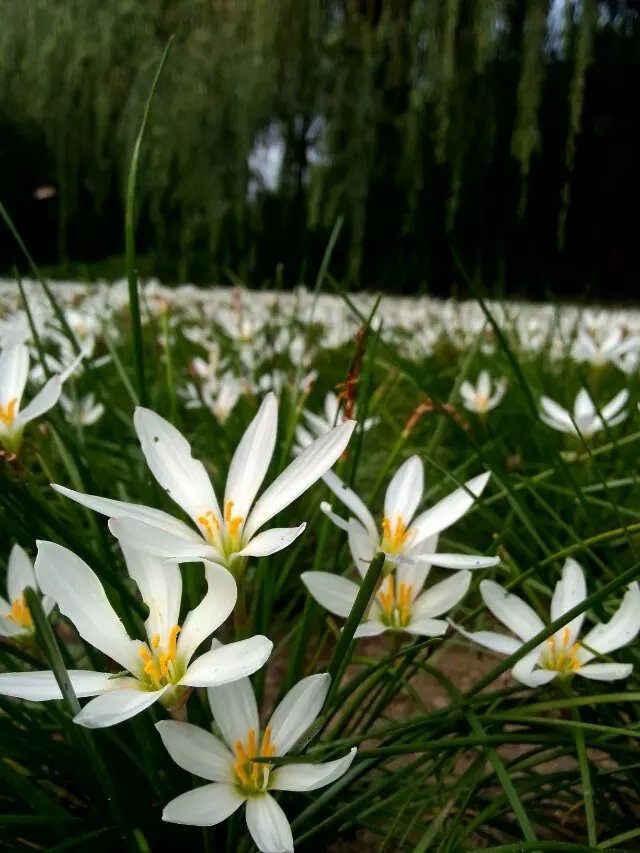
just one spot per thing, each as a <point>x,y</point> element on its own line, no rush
<point>505,131</point>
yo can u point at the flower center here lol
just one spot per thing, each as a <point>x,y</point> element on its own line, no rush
<point>396,609</point>
<point>481,402</point>
<point>394,535</point>
<point>253,777</point>
<point>160,667</point>
<point>226,540</point>
<point>559,656</point>
<point>8,412</point>
<point>20,614</point>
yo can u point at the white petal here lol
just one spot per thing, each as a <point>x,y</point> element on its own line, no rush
<point>606,671</point>
<point>116,706</point>
<point>123,509</point>
<point>447,511</point>
<point>181,545</point>
<point>570,590</point>
<point>41,686</point>
<point>559,417</point>
<point>197,751</point>
<point>14,370</point>
<point>370,628</point>
<point>298,710</point>
<point>484,384</point>
<point>511,610</point>
<point>252,457</point>
<point>361,546</point>
<point>405,490</point>
<point>524,671</point>
<point>44,400</point>
<point>160,585</point>
<point>310,777</point>
<point>333,592</point>
<point>426,627</point>
<point>459,561</point>
<point>412,573</point>
<point>442,596</point>
<point>302,473</point>
<point>271,541</point>
<point>20,573</point>
<point>614,406</point>
<point>213,610</point>
<point>351,500</point>
<point>228,663</point>
<point>490,640</point>
<point>327,509</point>
<point>204,806</point>
<point>268,825</point>
<point>583,407</point>
<point>234,709</point>
<point>621,629</point>
<point>82,599</point>
<point>168,455</point>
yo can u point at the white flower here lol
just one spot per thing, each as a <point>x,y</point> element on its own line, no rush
<point>234,778</point>
<point>402,535</point>
<point>159,668</point>
<point>83,411</point>
<point>399,605</point>
<point>222,536</point>
<point>560,654</point>
<point>585,420</point>
<point>601,343</point>
<point>480,398</point>
<point>14,370</point>
<point>317,426</point>
<point>15,618</point>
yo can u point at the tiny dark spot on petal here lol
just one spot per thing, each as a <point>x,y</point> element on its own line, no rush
<point>156,439</point>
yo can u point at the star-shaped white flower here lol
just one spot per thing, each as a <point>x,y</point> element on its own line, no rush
<point>15,618</point>
<point>399,605</point>
<point>235,778</point>
<point>222,535</point>
<point>403,536</point>
<point>561,654</point>
<point>157,669</point>
<point>585,420</point>
<point>485,395</point>
<point>14,371</point>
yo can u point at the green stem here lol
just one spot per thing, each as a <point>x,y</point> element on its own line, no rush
<point>129,238</point>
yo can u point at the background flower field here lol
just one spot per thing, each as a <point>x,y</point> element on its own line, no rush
<point>452,753</point>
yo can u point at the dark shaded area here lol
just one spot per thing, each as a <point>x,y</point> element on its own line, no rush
<point>410,196</point>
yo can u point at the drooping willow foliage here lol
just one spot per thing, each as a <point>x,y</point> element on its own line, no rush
<point>419,122</point>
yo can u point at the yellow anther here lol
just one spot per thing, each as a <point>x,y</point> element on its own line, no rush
<point>19,613</point>
<point>8,412</point>
<point>210,524</point>
<point>152,671</point>
<point>267,749</point>
<point>233,522</point>
<point>565,635</point>
<point>255,772</point>
<point>144,653</point>
<point>241,755</point>
<point>155,641</point>
<point>173,637</point>
<point>251,743</point>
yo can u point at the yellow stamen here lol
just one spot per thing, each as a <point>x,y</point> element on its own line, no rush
<point>241,755</point>
<point>233,522</point>
<point>241,773</point>
<point>251,743</point>
<point>157,666</point>
<point>255,772</point>
<point>267,749</point>
<point>155,641</point>
<point>209,522</point>
<point>8,412</point>
<point>394,538</point>
<point>20,614</point>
